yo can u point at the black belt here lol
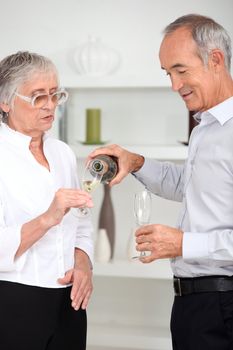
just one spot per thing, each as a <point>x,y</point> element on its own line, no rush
<point>184,286</point>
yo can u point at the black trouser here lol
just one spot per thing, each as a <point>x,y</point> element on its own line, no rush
<point>203,321</point>
<point>34,318</point>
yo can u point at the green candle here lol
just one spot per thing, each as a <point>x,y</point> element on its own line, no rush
<point>93,124</point>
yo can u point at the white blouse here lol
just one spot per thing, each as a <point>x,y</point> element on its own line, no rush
<point>26,191</point>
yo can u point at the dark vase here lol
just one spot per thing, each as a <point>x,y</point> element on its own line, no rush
<point>107,218</point>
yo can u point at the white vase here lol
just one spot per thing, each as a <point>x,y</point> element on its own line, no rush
<point>95,59</point>
<point>102,247</point>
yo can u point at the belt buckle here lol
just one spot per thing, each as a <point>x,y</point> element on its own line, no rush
<point>178,286</point>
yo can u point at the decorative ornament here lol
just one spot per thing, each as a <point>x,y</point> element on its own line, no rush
<point>95,59</point>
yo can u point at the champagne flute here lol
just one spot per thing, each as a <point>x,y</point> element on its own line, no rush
<point>142,211</point>
<point>90,181</point>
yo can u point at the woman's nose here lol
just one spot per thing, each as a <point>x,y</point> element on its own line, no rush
<point>50,104</point>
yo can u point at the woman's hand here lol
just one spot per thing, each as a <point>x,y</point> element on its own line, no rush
<point>65,199</point>
<point>81,278</point>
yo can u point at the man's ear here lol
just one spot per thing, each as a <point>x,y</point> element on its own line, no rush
<point>5,107</point>
<point>217,59</point>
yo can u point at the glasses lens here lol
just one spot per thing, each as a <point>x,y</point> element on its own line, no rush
<point>40,101</point>
<point>59,97</point>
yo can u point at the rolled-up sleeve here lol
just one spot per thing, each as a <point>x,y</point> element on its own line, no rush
<point>84,239</point>
<point>10,238</point>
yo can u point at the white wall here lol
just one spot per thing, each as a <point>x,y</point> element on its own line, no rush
<point>133,27</point>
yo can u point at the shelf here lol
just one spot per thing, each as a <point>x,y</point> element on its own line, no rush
<point>113,335</point>
<point>160,152</point>
<point>159,269</point>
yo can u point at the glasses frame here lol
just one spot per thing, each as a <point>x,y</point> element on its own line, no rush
<point>32,99</point>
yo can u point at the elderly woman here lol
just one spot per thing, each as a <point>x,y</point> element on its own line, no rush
<point>45,250</point>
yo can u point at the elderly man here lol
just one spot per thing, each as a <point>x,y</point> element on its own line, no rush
<point>196,54</point>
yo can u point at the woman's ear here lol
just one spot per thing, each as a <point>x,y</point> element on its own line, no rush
<point>5,107</point>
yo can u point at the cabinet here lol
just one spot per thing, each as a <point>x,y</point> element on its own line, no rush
<point>146,120</point>
<point>131,304</point>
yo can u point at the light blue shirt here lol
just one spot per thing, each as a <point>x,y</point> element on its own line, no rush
<point>204,185</point>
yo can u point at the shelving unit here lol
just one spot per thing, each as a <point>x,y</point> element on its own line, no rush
<point>137,118</point>
<point>131,304</point>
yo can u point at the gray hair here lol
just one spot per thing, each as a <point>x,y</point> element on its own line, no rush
<point>17,69</point>
<point>207,34</point>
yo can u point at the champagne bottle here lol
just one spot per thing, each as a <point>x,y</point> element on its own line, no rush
<point>107,165</point>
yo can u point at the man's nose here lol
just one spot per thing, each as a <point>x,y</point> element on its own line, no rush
<point>177,83</point>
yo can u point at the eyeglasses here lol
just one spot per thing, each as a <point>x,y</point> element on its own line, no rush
<point>40,100</point>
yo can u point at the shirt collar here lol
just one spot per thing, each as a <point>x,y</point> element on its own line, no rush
<point>15,137</point>
<point>221,112</point>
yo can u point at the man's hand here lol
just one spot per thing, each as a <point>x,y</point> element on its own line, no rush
<point>81,278</point>
<point>128,162</point>
<point>162,241</point>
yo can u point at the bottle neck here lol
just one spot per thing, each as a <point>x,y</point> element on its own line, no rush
<point>100,166</point>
